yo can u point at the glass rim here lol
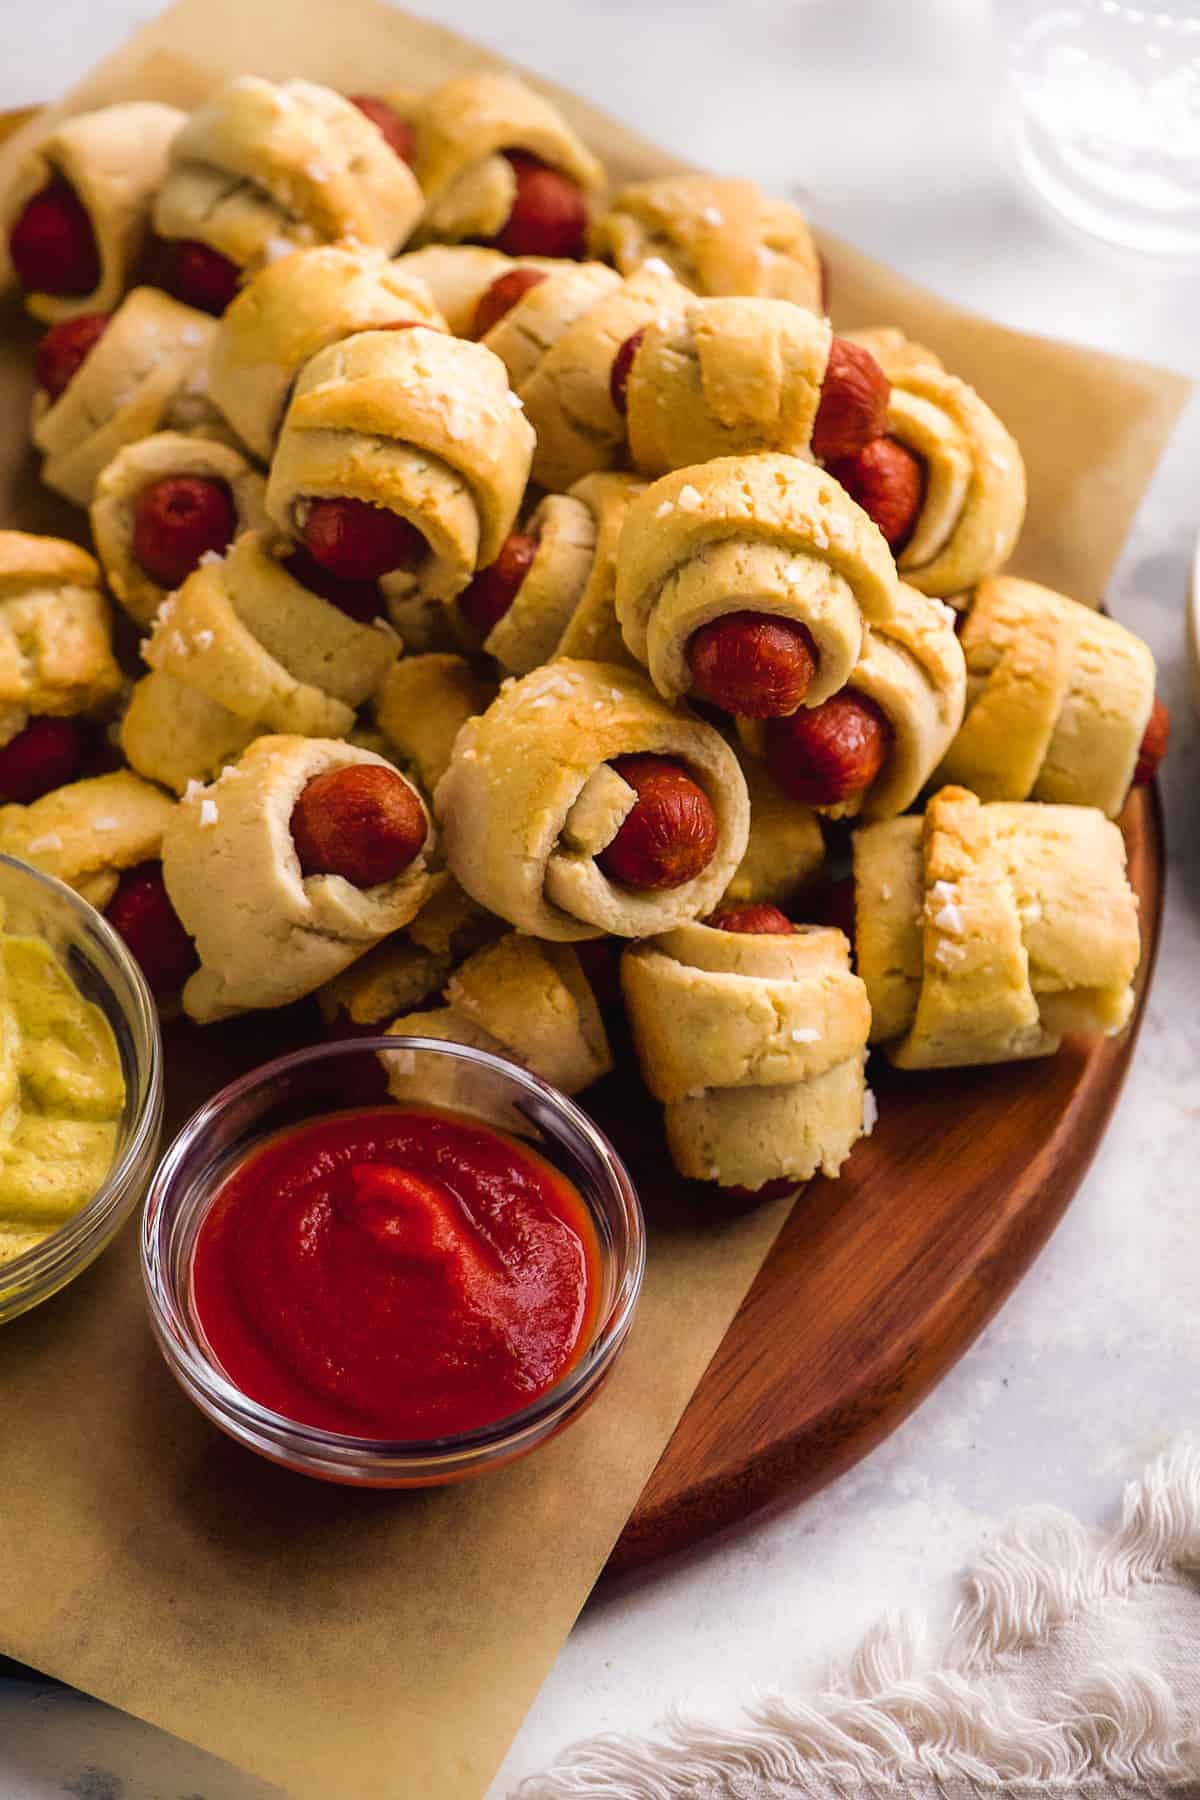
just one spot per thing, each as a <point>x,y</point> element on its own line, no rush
<point>206,1382</point>
<point>69,1242</point>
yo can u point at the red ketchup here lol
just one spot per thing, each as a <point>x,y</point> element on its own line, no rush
<point>401,1273</point>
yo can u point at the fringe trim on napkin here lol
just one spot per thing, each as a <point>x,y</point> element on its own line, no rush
<point>885,1728</point>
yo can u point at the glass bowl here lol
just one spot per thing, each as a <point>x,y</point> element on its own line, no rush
<point>328,1078</point>
<point>106,974</point>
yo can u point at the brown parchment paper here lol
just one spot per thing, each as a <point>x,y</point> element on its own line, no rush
<point>369,1645</point>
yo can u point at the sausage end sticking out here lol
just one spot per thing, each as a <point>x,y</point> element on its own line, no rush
<point>854,402</point>
<point>197,275</point>
<point>752,663</point>
<point>362,822</point>
<point>888,482</point>
<point>670,835</point>
<point>141,913</point>
<point>53,246</point>
<point>824,755</point>
<point>46,755</point>
<point>64,349</point>
<point>501,297</point>
<point>178,520</point>
<point>549,213</point>
<point>397,133</point>
<point>359,542</point>
<point>760,920</point>
<point>484,602</point>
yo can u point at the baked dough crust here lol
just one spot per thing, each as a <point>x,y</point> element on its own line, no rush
<point>558,344</point>
<point>114,159</point>
<point>756,1045</point>
<point>984,932</point>
<point>291,309</point>
<point>56,653</point>
<point>767,533</point>
<point>974,502</point>
<point>256,652</point>
<point>716,236</point>
<point>147,373</point>
<point>139,466</point>
<point>89,831</point>
<point>458,276</point>
<point>422,703</point>
<point>418,422</point>
<point>521,833</point>
<point>462,128</point>
<point>265,167</point>
<point>725,377</point>
<point>524,1000</point>
<point>412,966</point>
<point>266,934</point>
<point>1058,697</point>
<point>786,849</point>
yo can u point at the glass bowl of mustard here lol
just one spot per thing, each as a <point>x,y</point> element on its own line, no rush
<point>80,1086</point>
<point>280,1190</point>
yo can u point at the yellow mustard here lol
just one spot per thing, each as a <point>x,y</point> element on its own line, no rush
<point>61,1094</point>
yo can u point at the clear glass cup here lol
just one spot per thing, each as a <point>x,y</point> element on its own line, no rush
<point>105,973</point>
<point>1104,115</point>
<point>328,1078</point>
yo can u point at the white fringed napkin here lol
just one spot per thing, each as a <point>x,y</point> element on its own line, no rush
<point>1072,1669</point>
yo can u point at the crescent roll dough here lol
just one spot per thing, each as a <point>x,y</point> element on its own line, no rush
<point>89,831</point>
<point>266,934</point>
<point>986,932</point>
<point>141,465</point>
<point>768,534</point>
<point>756,1045</point>
<point>266,167</point>
<point>716,237</point>
<point>458,276</point>
<point>422,703</point>
<point>291,309</point>
<point>520,999</point>
<point>242,648</point>
<point>974,500</point>
<point>147,373</point>
<point>56,653</point>
<point>912,667</point>
<point>462,129</point>
<point>529,801</point>
<point>786,850</point>
<point>723,377</point>
<point>418,422</point>
<point>566,605</point>
<point>412,966</point>
<point>114,160</point>
<point>1058,697</point>
<point>558,344</point>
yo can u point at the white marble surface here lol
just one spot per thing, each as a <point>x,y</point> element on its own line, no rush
<point>882,118</point>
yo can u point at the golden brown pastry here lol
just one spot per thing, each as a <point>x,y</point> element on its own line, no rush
<point>243,648</point>
<point>420,706</point>
<point>756,1045</point>
<point>786,850</point>
<point>972,494</point>
<point>291,309</point>
<point>716,236</point>
<point>56,656</point>
<point>540,827</point>
<point>147,373</point>
<point>97,173</point>
<point>467,131</point>
<point>1058,697</point>
<point>411,967</point>
<point>164,456</point>
<point>985,932</point>
<point>265,931</point>
<point>89,831</point>
<point>265,167</point>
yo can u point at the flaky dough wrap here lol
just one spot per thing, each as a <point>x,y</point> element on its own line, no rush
<point>566,604</point>
<point>558,343</point>
<point>418,422</point>
<point>724,377</point>
<point>462,129</point>
<point>89,831</point>
<point>974,499</point>
<point>265,933</point>
<point>410,968</point>
<point>139,466</point>
<point>518,998</point>
<point>529,801</point>
<point>1058,697</point>
<point>242,648</point>
<point>265,167</point>
<point>716,236</point>
<point>147,373</point>
<point>756,1046</point>
<point>421,705</point>
<point>786,849</point>
<point>767,534</point>
<point>56,654</point>
<point>114,160</point>
<point>291,309</point>
<point>984,932</point>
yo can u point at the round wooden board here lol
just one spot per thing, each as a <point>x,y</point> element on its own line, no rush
<point>880,1280</point>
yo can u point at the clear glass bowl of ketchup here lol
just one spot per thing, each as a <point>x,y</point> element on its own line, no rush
<point>237,1165</point>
